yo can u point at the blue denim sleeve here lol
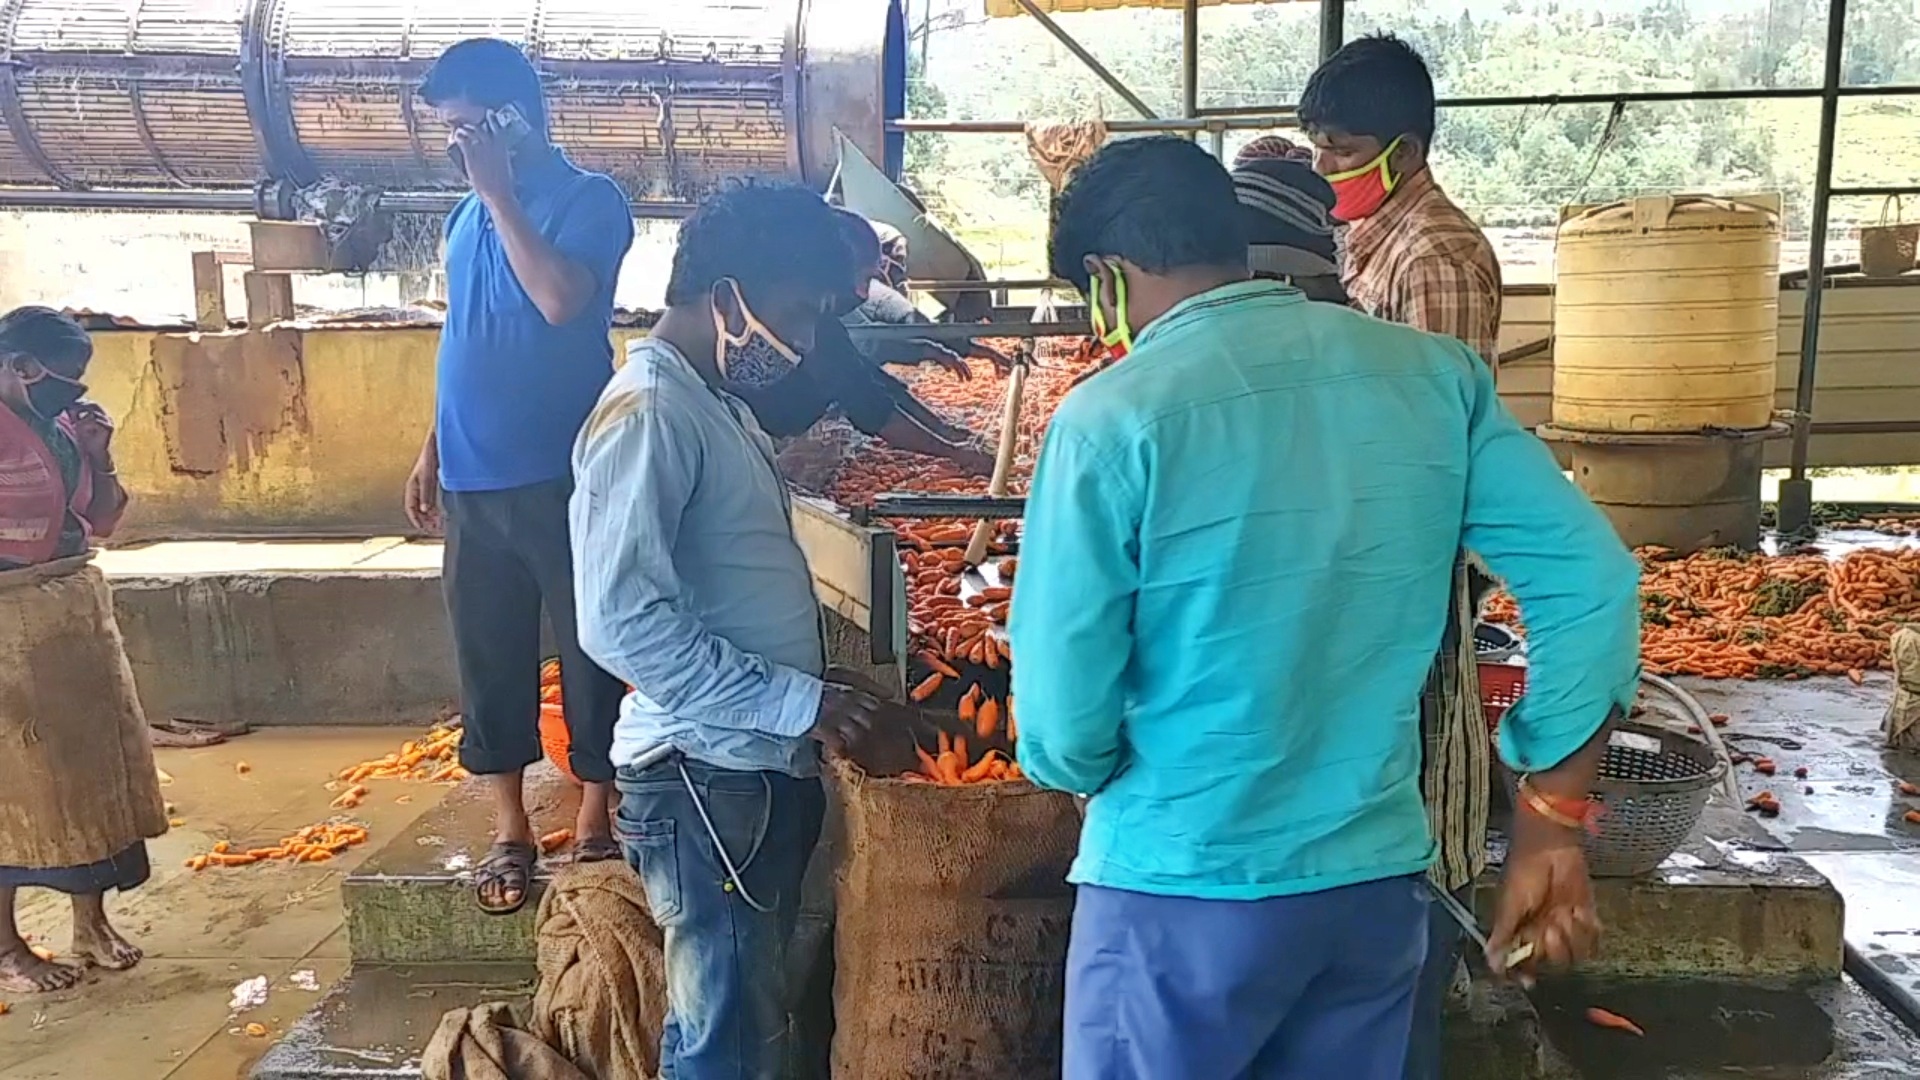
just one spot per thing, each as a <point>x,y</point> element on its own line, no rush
<point>597,229</point>
<point>635,469</point>
<point>1576,585</point>
<point>1072,620</point>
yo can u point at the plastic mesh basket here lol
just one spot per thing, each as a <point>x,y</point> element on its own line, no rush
<point>1653,786</point>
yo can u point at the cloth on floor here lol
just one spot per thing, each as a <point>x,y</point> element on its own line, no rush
<point>484,1043</point>
<point>602,994</point>
<point>1902,724</point>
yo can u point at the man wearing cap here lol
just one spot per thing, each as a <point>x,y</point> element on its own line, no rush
<point>1288,209</point>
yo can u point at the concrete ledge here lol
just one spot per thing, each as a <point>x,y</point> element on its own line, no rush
<point>1732,907</point>
<point>349,647</point>
<point>412,901</point>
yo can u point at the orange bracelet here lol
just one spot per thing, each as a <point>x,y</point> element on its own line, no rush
<point>1577,814</point>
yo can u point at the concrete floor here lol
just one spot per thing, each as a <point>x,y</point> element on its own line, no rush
<point>205,932</point>
<point>1846,817</point>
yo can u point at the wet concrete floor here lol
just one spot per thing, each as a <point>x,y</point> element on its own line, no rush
<point>203,933</point>
<point>1846,817</point>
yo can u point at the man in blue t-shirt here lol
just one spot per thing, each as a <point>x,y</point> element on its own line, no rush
<point>532,257</point>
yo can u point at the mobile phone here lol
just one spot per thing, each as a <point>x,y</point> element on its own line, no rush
<point>507,122</point>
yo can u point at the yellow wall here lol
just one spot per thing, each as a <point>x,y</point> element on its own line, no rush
<point>313,431</point>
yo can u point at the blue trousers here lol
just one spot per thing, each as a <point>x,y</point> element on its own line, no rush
<point>1425,1054</point>
<point>1305,987</point>
<point>727,998</point>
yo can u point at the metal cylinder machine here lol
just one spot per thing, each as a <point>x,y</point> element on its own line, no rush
<point>194,104</point>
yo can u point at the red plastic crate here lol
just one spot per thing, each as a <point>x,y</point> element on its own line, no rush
<point>1500,686</point>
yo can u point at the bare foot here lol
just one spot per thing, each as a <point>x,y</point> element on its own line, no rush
<point>102,946</point>
<point>21,972</point>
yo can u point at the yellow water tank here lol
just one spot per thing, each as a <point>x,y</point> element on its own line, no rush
<point>1666,314</point>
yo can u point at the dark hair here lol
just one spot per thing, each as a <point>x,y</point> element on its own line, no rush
<point>55,339</point>
<point>490,73</point>
<point>763,235</point>
<point>1161,203</point>
<point>1375,85</point>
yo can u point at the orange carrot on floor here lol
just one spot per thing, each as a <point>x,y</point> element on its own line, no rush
<point>1599,1017</point>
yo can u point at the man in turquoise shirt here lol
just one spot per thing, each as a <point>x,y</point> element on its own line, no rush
<point>1239,545</point>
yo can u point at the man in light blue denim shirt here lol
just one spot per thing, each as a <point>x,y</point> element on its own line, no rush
<point>1239,549</point>
<point>691,588</point>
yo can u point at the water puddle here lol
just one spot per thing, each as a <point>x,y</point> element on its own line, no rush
<point>1701,1028</point>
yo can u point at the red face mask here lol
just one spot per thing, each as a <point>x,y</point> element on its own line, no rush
<point>1359,193</point>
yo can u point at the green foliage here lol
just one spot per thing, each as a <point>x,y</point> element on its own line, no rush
<point>1514,168</point>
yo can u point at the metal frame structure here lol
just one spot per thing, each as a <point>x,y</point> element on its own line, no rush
<point>1796,500</point>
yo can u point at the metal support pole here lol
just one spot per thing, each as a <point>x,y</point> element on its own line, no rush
<point>1333,27</point>
<point>1175,124</point>
<point>1796,492</point>
<point>1093,63</point>
<point>1190,58</point>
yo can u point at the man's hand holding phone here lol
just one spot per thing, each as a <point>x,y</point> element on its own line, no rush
<point>484,152</point>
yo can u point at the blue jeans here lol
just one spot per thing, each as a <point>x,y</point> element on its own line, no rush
<point>727,998</point>
<point>1426,1053</point>
<point>1305,987</point>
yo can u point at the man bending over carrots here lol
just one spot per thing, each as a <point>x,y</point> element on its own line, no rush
<point>692,588</point>
<point>1239,551</point>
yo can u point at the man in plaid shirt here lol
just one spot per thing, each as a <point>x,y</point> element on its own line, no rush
<point>1413,257</point>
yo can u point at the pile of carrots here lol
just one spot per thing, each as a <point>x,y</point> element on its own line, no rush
<point>315,843</point>
<point>1723,615</point>
<point>953,765</point>
<point>961,656</point>
<point>433,758</point>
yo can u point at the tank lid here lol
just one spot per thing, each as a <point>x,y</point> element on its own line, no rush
<point>1673,213</point>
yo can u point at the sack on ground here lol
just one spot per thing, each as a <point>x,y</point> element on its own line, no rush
<point>1902,723</point>
<point>484,1043</point>
<point>602,996</point>
<point>951,924</point>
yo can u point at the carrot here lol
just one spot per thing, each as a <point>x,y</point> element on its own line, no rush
<point>1911,817</point>
<point>1764,766</point>
<point>939,666</point>
<point>944,742</point>
<point>927,763</point>
<point>949,768</point>
<point>1856,676</point>
<point>996,592</point>
<point>555,840</point>
<point>1599,1017</point>
<point>225,859</point>
<point>981,769</point>
<point>1907,787</point>
<point>988,721</point>
<point>968,706</point>
<point>928,687</point>
<point>960,750</point>
<point>1720,719</point>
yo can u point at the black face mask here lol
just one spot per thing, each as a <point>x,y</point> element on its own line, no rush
<point>51,394</point>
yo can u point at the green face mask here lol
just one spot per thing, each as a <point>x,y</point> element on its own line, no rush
<point>1118,338</point>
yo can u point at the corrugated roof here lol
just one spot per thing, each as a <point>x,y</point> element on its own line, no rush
<point>1003,9</point>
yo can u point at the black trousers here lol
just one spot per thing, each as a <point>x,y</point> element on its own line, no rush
<point>508,555</point>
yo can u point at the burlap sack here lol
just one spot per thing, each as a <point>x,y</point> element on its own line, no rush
<point>76,761</point>
<point>484,1043</point>
<point>602,996</point>
<point>951,924</point>
<point>1902,723</point>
